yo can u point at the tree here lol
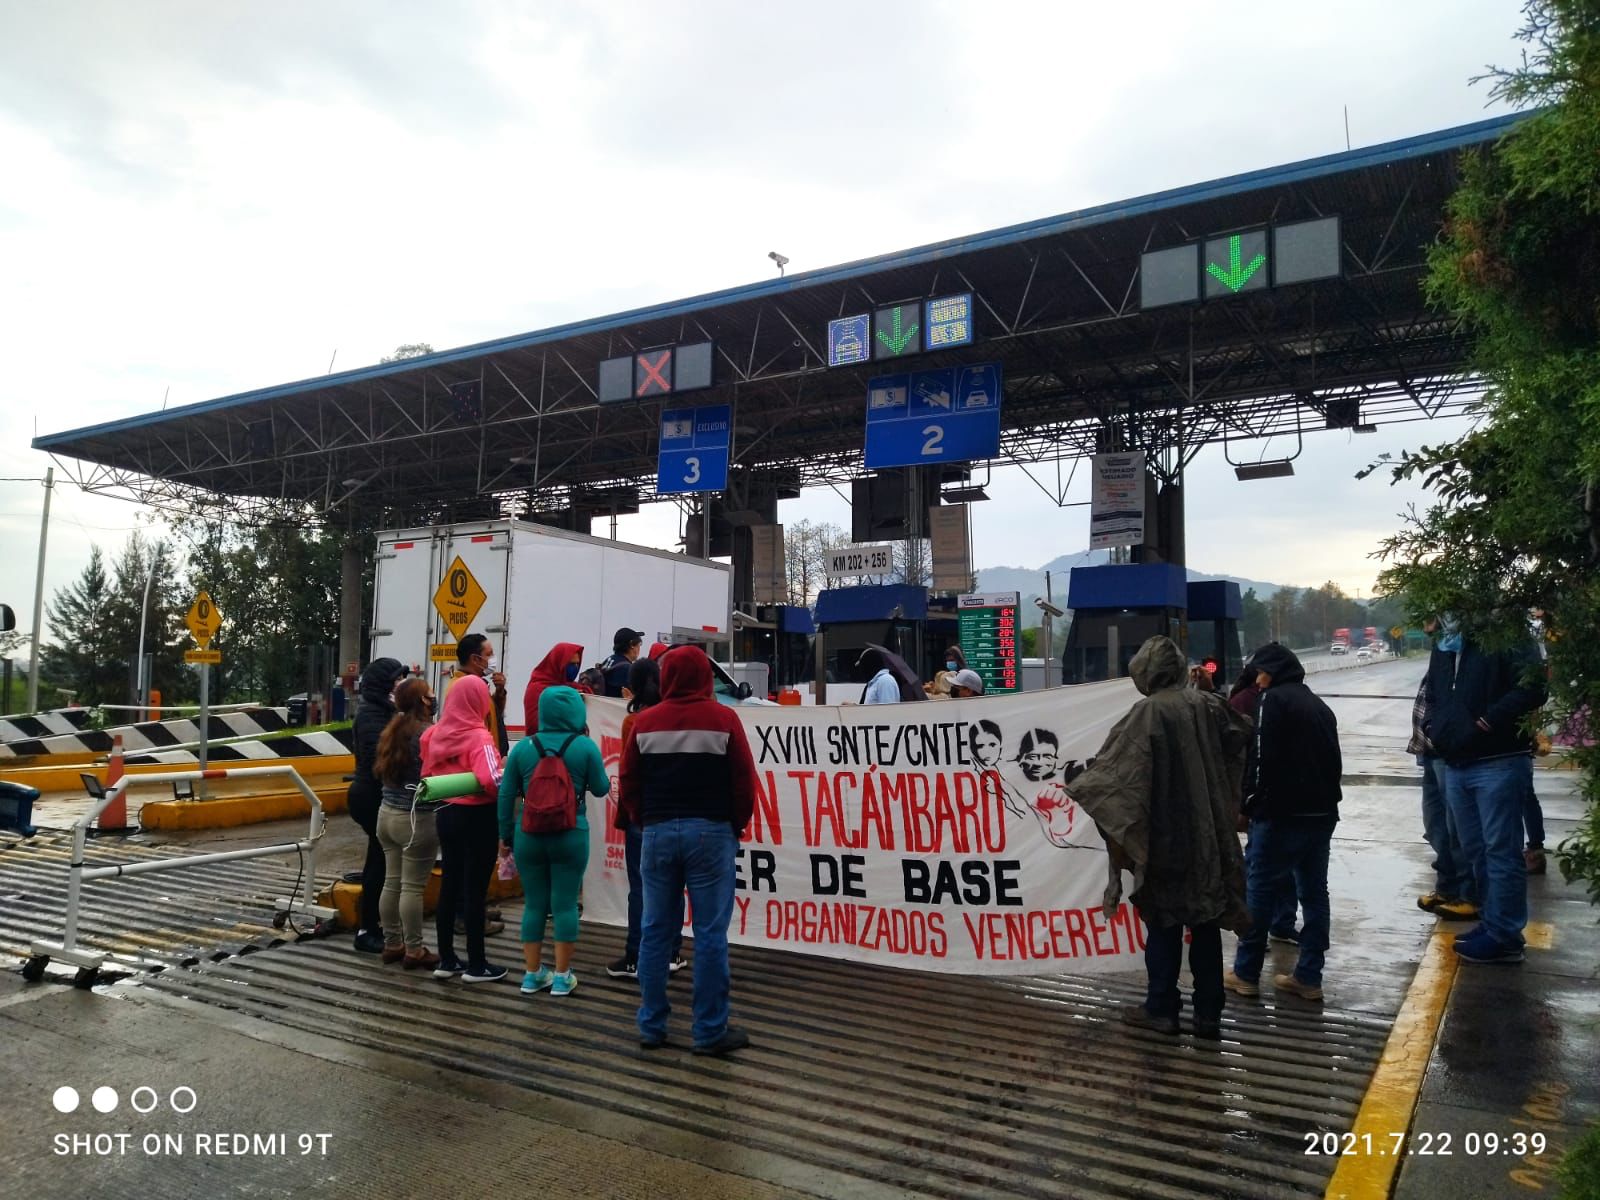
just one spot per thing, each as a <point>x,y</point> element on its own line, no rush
<point>913,561</point>
<point>1513,519</point>
<point>408,350</point>
<point>805,550</point>
<point>1255,620</point>
<point>83,657</point>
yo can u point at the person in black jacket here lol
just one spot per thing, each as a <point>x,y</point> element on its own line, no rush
<point>1292,798</point>
<point>1477,708</point>
<point>366,793</point>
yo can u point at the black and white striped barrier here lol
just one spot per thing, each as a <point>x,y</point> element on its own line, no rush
<point>300,745</point>
<point>45,724</point>
<point>149,735</point>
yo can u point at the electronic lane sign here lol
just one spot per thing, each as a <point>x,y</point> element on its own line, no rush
<point>658,372</point>
<point>850,340</point>
<point>947,415</point>
<point>694,450</point>
<point>988,636</point>
<point>948,321</point>
<point>897,330</point>
<point>1236,264</point>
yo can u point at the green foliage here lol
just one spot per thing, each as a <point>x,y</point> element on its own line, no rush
<point>1579,1172</point>
<point>1514,520</point>
<point>95,620</point>
<point>409,350</point>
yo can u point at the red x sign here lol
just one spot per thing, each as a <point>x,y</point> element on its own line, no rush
<point>650,373</point>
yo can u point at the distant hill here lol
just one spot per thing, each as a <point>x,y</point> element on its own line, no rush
<point>1030,582</point>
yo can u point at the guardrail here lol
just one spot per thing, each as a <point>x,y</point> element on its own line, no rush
<point>89,962</point>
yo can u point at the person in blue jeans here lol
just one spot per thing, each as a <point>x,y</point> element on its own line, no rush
<point>1454,896</point>
<point>644,691</point>
<point>1478,708</point>
<point>688,772</point>
<point>1292,793</point>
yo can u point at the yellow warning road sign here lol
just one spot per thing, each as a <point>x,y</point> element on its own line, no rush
<point>203,656</point>
<point>458,598</point>
<point>1397,632</point>
<point>444,652</point>
<point>203,619</point>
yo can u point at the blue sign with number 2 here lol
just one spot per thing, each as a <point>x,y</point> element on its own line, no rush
<point>948,415</point>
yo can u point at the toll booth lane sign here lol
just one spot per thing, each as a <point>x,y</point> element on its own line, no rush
<point>458,598</point>
<point>897,330</point>
<point>694,450</point>
<point>949,321</point>
<point>203,620</point>
<point>849,340</point>
<point>946,415</point>
<point>988,633</point>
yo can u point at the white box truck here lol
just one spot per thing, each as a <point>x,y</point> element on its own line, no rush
<point>528,587</point>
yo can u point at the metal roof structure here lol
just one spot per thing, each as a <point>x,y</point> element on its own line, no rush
<point>1057,300</point>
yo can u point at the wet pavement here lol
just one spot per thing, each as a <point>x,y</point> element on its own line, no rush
<point>862,1082</point>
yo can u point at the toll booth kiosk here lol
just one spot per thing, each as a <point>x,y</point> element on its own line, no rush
<point>848,618</point>
<point>1115,609</point>
<point>780,637</point>
<point>1215,610</point>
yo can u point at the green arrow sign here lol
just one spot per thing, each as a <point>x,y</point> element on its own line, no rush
<point>1238,272</point>
<point>895,335</point>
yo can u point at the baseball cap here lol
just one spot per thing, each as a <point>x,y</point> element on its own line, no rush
<point>625,637</point>
<point>968,679</point>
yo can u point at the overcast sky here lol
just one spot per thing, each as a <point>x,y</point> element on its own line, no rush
<point>200,198</point>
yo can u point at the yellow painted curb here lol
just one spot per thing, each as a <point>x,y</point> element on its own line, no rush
<point>228,812</point>
<point>1368,1170</point>
<point>65,778</point>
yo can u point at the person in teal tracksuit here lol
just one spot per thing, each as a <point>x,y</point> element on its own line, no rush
<point>551,864</point>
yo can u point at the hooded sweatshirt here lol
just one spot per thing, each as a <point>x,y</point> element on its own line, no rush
<point>688,755</point>
<point>561,715</point>
<point>377,686</point>
<point>551,672</point>
<point>1295,764</point>
<point>1465,686</point>
<point>461,740</point>
<point>1163,791</point>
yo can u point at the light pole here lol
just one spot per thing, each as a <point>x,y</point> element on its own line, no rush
<point>144,617</point>
<point>38,591</point>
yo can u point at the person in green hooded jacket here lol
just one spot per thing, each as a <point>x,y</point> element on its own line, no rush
<point>551,864</point>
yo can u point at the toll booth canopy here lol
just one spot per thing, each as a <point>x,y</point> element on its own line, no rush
<point>890,615</point>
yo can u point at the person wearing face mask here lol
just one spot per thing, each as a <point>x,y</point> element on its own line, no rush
<point>561,667</point>
<point>475,656</point>
<point>954,662</point>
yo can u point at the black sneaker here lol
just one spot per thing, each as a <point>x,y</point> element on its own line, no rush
<point>623,968</point>
<point>1208,1028</point>
<point>650,1043</point>
<point>487,973</point>
<point>1285,937</point>
<point>449,967</point>
<point>677,964</point>
<point>733,1038</point>
<point>369,943</point>
<point>1141,1017</point>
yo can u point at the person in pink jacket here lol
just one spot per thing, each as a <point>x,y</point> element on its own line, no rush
<point>469,836</point>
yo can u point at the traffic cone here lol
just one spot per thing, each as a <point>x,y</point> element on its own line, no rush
<point>114,817</point>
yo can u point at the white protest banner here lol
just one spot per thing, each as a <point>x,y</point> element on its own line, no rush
<point>938,836</point>
<point>1116,500</point>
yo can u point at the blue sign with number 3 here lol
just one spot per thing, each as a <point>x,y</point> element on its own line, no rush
<point>694,450</point>
<point>948,415</point>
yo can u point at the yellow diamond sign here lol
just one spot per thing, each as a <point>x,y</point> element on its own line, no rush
<point>203,619</point>
<point>458,598</point>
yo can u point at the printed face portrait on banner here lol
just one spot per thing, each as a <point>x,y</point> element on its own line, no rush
<point>933,836</point>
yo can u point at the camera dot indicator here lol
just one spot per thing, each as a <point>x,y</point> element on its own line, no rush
<point>65,1099</point>
<point>104,1099</point>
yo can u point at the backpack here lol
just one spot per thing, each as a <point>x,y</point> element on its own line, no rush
<point>551,803</point>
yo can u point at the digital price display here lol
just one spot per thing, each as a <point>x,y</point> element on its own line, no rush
<point>949,321</point>
<point>988,635</point>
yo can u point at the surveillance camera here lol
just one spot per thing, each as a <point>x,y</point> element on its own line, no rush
<point>780,259</point>
<point>1045,606</point>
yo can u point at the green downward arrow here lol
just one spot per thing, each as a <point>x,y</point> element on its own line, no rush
<point>898,340</point>
<point>1237,274</point>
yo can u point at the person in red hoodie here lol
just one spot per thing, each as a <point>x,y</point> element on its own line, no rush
<point>469,826</point>
<point>688,773</point>
<point>557,669</point>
